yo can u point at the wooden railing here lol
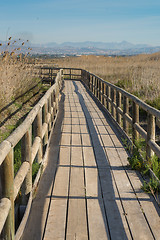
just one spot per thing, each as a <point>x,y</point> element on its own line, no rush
<point>34,136</point>
<point>124,108</point>
<point>121,105</point>
<point>48,73</point>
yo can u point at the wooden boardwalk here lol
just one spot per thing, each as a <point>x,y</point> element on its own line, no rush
<point>87,190</point>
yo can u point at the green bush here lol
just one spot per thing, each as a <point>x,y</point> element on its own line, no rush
<point>152,186</point>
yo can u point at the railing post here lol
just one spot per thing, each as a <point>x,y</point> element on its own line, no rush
<point>8,192</point>
<point>89,82</point>
<point>46,121</point>
<point>99,89</point>
<point>86,78</point>
<point>70,73</point>
<point>96,86</point>
<point>49,110</point>
<point>105,92</point>
<point>26,156</point>
<point>92,84</point>
<point>125,111</point>
<point>62,78</point>
<point>38,133</point>
<point>108,98</point>
<point>51,76</point>
<point>102,93</point>
<point>135,119</point>
<point>114,103</point>
<point>119,102</point>
<point>82,75</point>
<point>150,135</point>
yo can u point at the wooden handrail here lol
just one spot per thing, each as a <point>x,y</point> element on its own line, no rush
<point>23,179</point>
<point>113,96</point>
<point>116,101</point>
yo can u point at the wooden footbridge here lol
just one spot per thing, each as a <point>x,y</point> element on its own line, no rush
<point>84,188</point>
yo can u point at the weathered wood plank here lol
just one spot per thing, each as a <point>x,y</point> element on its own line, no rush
<point>77,222</point>
<point>65,140</point>
<point>76,156</point>
<point>97,220</point>
<point>75,128</point>
<point>76,139</point>
<point>55,224</point>
<point>77,226</point>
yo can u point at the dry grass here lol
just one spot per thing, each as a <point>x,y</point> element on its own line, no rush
<point>139,75</point>
<point>16,77</point>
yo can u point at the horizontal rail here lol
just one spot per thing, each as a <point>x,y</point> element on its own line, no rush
<point>20,176</point>
<point>5,205</point>
<point>35,147</point>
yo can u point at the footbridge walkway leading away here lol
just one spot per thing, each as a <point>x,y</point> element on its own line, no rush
<point>87,190</point>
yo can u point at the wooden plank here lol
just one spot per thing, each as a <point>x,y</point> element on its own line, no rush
<point>56,222</point>
<point>77,226</point>
<point>75,128</point>
<point>56,225</point>
<point>86,140</point>
<point>77,183</point>
<point>75,121</point>
<point>97,220</point>
<point>89,158</point>
<point>93,189</point>
<point>65,140</point>
<point>96,214</point>
<point>82,121</point>
<point>84,129</point>
<point>137,222</point>
<point>116,219</point>
<point>133,209</point>
<point>67,121</point>
<point>76,156</point>
<point>64,156</point>
<point>77,223</point>
<point>150,208</point>
<point>66,128</point>
<point>76,140</point>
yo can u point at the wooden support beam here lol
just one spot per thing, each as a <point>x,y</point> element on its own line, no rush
<point>45,112</point>
<point>150,135</point>
<point>38,133</point>
<point>8,192</point>
<point>114,103</point>
<point>119,103</point>
<point>108,97</point>
<point>125,111</point>
<point>135,119</point>
<point>26,149</point>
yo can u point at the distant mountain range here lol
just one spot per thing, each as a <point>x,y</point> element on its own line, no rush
<point>100,45</point>
<point>88,47</point>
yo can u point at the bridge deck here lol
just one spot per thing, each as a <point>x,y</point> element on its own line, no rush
<point>87,190</point>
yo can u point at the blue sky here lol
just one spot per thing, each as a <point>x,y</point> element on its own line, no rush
<point>45,21</point>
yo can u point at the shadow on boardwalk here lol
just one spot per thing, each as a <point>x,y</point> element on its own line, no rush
<point>106,193</point>
<point>106,198</point>
<point>36,224</point>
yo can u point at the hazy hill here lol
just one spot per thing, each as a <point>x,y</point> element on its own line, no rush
<point>100,45</point>
<point>77,48</point>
